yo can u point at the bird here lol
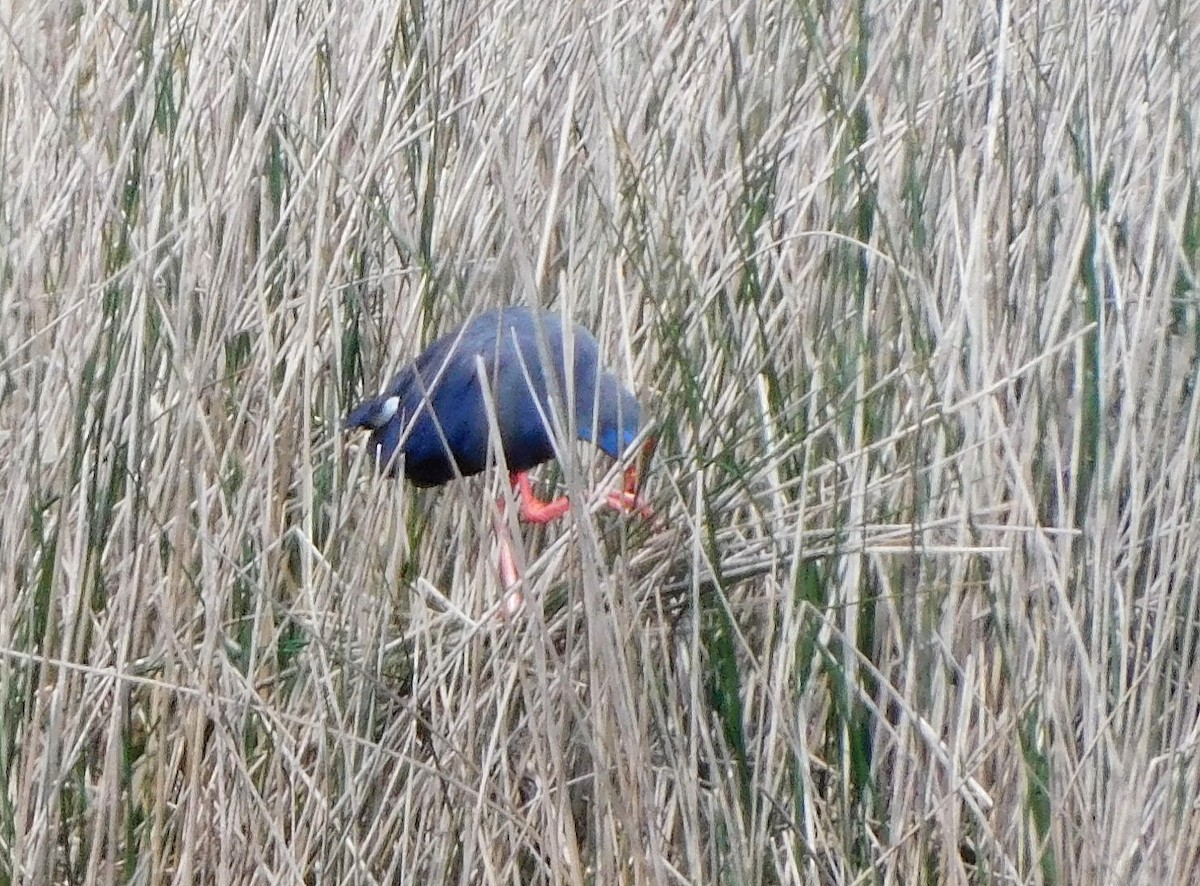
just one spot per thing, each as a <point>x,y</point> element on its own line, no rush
<point>432,420</point>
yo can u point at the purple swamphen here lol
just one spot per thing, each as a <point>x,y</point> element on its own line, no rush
<point>433,423</point>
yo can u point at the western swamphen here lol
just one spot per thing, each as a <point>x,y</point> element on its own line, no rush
<point>433,421</point>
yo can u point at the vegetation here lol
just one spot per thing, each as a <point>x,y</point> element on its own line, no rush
<point>910,291</point>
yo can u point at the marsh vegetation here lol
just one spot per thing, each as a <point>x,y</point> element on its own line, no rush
<point>909,291</point>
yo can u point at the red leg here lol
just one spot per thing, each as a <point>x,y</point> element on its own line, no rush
<point>533,508</point>
<point>508,561</point>
<point>514,599</point>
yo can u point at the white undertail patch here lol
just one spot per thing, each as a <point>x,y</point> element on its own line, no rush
<point>386,412</point>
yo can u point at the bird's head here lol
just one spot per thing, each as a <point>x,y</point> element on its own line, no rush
<point>618,422</point>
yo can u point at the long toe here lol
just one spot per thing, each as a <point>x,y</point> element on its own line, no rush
<point>534,509</point>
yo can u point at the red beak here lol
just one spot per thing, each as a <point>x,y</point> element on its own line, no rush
<point>636,471</point>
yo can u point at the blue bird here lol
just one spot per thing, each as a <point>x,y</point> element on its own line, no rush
<point>432,421</point>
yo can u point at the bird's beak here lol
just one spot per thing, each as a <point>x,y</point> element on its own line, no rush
<point>635,473</point>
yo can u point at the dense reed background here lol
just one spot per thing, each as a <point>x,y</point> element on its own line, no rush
<point>909,289</point>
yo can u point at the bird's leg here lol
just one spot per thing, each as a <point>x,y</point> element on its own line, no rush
<point>508,561</point>
<point>628,500</point>
<point>513,600</point>
<point>533,508</point>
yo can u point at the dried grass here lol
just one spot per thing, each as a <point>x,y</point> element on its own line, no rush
<point>910,291</point>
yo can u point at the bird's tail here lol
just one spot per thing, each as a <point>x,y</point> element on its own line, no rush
<point>372,414</point>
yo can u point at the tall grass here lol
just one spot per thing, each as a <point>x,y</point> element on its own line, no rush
<point>909,291</point>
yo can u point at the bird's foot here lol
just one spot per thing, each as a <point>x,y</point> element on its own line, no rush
<point>627,500</point>
<point>534,509</point>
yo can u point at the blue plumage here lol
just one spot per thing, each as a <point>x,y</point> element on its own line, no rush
<point>434,414</point>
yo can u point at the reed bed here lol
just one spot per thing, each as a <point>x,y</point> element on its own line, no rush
<point>909,291</point>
